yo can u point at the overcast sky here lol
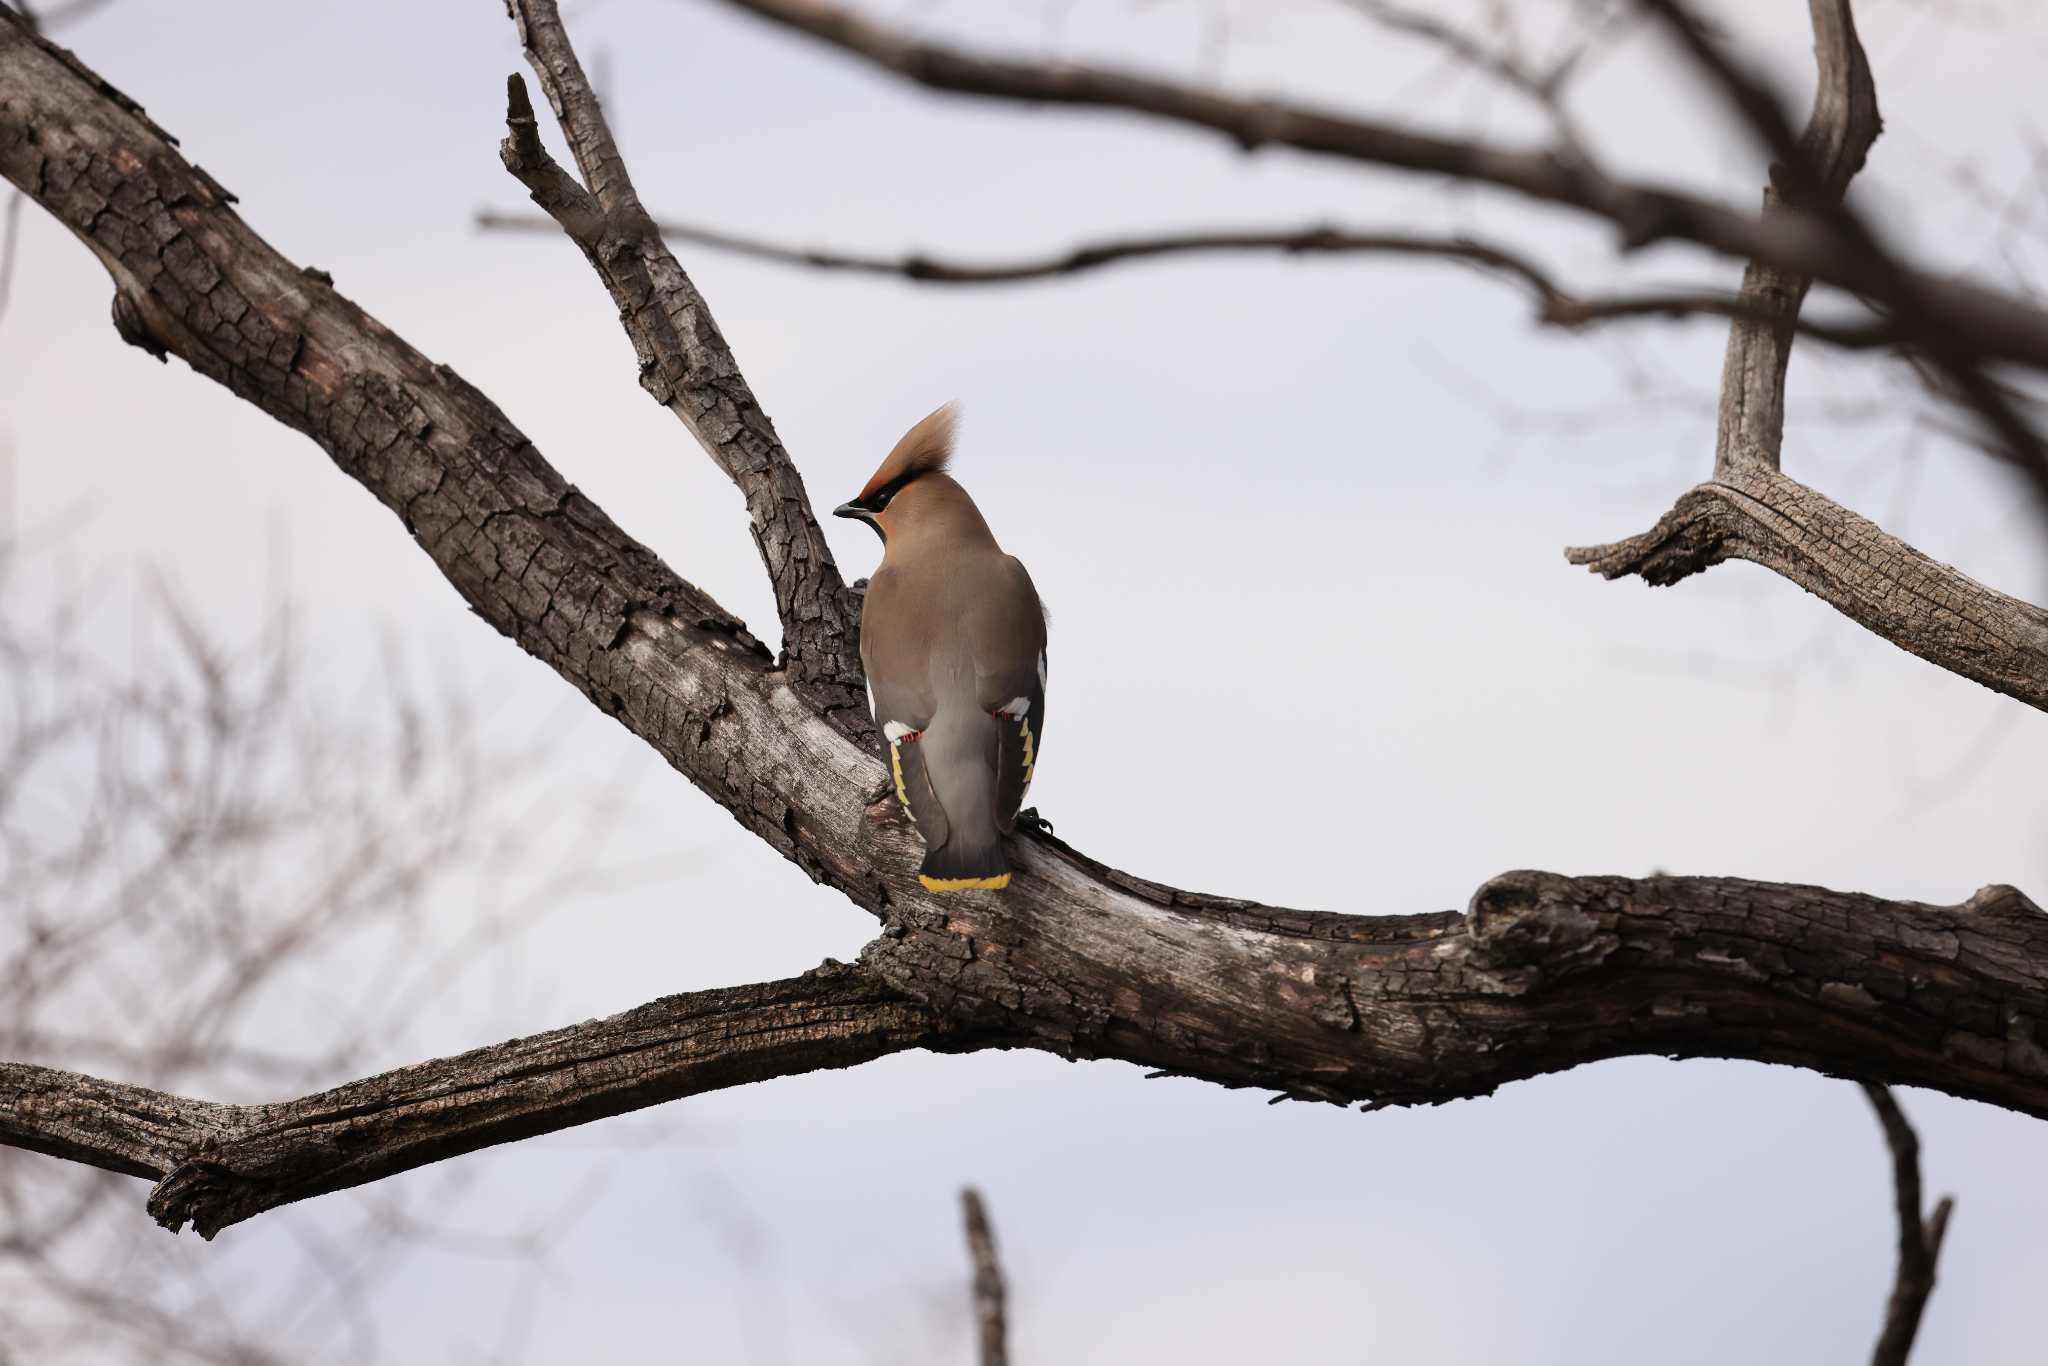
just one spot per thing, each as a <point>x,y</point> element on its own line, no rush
<point>1318,503</point>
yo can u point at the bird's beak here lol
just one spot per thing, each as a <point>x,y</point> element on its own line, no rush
<point>850,510</point>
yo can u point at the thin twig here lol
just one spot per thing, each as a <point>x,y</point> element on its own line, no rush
<point>1556,305</point>
<point>988,1281</point>
<point>1919,1240</point>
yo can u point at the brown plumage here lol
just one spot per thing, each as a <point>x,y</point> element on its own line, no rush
<point>953,641</point>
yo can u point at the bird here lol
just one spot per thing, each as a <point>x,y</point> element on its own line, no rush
<point>952,636</point>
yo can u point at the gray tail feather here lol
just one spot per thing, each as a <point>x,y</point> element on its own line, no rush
<point>962,863</point>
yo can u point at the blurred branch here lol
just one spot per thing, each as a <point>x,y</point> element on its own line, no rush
<point>1544,88</point>
<point>1555,305</point>
<point>988,1281</point>
<point>1919,1239</point>
<point>216,1165</point>
<point>1990,322</point>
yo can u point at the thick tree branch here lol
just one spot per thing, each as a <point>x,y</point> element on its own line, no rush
<point>1989,322</point>
<point>1919,1239</point>
<point>1554,304</point>
<point>991,1330</point>
<point>1876,580</point>
<point>1543,972</point>
<point>216,1165</point>
<point>684,360</point>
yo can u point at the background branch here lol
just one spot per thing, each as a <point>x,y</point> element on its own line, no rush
<point>1555,305</point>
<point>1990,322</point>
<point>991,1329</point>
<point>1919,1239</point>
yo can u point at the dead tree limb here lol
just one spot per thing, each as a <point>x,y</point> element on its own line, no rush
<point>216,1165</point>
<point>1919,1238</point>
<point>1542,972</point>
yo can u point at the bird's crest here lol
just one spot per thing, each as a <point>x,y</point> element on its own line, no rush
<point>924,449</point>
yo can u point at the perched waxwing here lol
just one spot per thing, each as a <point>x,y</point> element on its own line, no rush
<point>953,640</point>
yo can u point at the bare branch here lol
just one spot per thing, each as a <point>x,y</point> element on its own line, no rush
<point>1555,305</point>
<point>1820,164</point>
<point>1923,606</point>
<point>988,1281</point>
<point>1919,1240</point>
<point>1990,322</point>
<point>684,360</point>
<point>1812,174</point>
<point>1751,511</point>
<point>216,1165</point>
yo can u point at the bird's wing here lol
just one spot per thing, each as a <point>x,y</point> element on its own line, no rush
<point>1010,659</point>
<point>903,704</point>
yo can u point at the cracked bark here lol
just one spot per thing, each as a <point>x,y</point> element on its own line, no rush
<point>1543,972</point>
<point>216,1165</point>
<point>685,362</point>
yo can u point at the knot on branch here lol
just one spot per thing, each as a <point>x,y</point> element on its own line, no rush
<point>1690,539</point>
<point>1530,927</point>
<point>134,328</point>
<point>1998,898</point>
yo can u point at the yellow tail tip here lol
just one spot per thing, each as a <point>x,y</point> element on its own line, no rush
<point>961,884</point>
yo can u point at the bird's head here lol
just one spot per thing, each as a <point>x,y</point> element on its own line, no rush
<point>923,451</point>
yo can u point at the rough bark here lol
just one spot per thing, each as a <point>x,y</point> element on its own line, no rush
<point>684,360</point>
<point>1878,581</point>
<point>1543,972</point>
<point>1839,133</point>
<point>216,1165</point>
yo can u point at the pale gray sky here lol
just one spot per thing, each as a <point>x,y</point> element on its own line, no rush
<point>1322,502</point>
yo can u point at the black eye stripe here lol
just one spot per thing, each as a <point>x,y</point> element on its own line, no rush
<point>880,499</point>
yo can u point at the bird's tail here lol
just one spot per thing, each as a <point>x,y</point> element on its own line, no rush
<point>963,862</point>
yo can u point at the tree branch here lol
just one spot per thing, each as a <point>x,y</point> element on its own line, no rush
<point>1919,1241</point>
<point>1555,305</point>
<point>1813,177</point>
<point>1543,972</point>
<point>1813,172</point>
<point>216,1165</point>
<point>1751,511</point>
<point>1876,580</point>
<point>990,1327</point>
<point>1991,323</point>
<point>684,360</point>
